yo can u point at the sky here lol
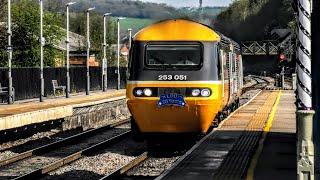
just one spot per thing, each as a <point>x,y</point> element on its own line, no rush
<point>192,3</point>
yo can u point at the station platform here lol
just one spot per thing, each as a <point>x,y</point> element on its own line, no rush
<point>28,112</point>
<point>277,160</point>
<point>257,141</point>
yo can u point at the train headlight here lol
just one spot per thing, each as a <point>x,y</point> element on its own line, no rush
<point>205,92</point>
<point>139,92</point>
<point>195,92</point>
<point>147,92</point>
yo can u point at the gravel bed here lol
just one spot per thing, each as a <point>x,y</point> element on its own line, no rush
<point>100,164</point>
<point>12,148</point>
<point>245,97</point>
<point>41,135</point>
<point>30,164</point>
<point>153,166</point>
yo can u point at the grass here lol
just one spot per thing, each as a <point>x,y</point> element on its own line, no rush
<point>135,23</point>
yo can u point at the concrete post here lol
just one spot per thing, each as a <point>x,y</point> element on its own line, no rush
<point>294,81</point>
<point>305,146</point>
<point>282,78</point>
<point>9,48</point>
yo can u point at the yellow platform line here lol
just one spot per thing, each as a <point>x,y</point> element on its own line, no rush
<point>254,162</point>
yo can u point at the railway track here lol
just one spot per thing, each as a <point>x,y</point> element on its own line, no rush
<point>121,173</point>
<point>261,83</point>
<point>42,160</point>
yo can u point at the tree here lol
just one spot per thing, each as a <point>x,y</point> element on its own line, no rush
<point>26,31</point>
<point>254,19</point>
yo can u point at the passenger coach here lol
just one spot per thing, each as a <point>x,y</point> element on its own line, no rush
<point>182,76</point>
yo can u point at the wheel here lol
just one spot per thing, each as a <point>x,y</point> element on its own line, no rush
<point>135,131</point>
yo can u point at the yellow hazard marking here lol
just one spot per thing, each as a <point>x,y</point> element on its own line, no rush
<point>254,162</point>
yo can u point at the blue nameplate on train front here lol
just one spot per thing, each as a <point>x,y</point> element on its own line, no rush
<point>171,99</point>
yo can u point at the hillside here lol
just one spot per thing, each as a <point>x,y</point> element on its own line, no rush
<point>127,8</point>
<point>254,19</point>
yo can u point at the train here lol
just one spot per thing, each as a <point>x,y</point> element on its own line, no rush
<point>183,77</point>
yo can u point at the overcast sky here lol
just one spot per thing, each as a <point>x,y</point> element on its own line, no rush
<point>193,3</point>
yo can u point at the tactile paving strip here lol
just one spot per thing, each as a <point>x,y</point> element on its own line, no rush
<point>237,161</point>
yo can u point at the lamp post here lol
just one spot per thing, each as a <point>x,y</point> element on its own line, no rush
<point>9,48</point>
<point>68,51</point>
<point>88,51</point>
<point>42,43</point>
<point>130,37</point>
<point>118,53</point>
<point>105,61</point>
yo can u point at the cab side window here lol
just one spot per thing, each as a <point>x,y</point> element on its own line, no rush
<point>219,63</point>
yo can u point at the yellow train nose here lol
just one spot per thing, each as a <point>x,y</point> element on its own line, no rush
<point>196,116</point>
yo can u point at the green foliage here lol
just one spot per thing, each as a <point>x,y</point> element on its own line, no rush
<point>254,19</point>
<point>26,32</point>
<point>135,23</point>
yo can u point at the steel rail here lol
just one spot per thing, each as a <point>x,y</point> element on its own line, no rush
<point>124,169</point>
<point>254,86</point>
<point>73,157</point>
<point>58,144</point>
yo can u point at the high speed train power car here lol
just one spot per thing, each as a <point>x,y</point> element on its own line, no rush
<point>182,76</point>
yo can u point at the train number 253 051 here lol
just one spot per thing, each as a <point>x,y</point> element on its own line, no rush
<point>172,77</point>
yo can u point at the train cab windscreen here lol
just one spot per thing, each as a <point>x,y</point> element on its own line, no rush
<point>178,56</point>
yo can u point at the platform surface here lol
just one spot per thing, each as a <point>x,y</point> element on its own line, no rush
<point>29,112</point>
<point>225,155</point>
<point>278,158</point>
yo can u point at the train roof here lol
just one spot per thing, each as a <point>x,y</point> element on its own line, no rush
<point>177,30</point>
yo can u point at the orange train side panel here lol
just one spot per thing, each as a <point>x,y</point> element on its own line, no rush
<point>196,116</point>
<point>225,98</point>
